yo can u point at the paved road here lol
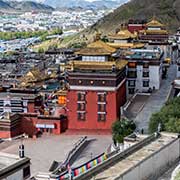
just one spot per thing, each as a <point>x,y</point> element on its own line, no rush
<point>156,101</point>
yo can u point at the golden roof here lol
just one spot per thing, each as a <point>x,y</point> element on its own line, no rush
<point>154,23</point>
<point>123,34</point>
<point>126,45</point>
<point>97,48</point>
<point>33,76</point>
<point>156,32</point>
<point>90,65</point>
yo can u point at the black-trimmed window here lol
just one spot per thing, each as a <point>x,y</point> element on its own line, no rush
<point>178,68</point>
<point>145,73</point>
<point>81,106</point>
<point>131,83</point>
<point>131,90</point>
<point>101,107</point>
<point>101,117</point>
<point>81,116</point>
<point>132,74</point>
<point>145,65</point>
<point>81,96</point>
<point>26,172</point>
<point>146,83</point>
<point>102,97</point>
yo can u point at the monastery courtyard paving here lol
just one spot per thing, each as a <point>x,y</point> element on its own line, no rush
<point>43,151</point>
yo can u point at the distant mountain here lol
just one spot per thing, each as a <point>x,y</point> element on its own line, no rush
<point>4,5</point>
<point>84,4</point>
<point>97,4</point>
<point>23,6</point>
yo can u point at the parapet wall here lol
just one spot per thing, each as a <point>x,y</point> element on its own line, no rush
<point>114,157</point>
<point>150,168</point>
<point>155,165</point>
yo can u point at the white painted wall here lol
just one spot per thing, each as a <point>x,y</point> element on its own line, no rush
<point>155,74</point>
<point>120,41</point>
<point>95,58</point>
<point>178,72</point>
<point>132,175</point>
<point>155,164</point>
<point>16,176</point>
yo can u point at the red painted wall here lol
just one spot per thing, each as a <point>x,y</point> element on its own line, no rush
<point>113,99</point>
<point>31,107</point>
<point>5,134</point>
<point>10,134</point>
<point>121,97</point>
<point>28,125</point>
<point>132,28</point>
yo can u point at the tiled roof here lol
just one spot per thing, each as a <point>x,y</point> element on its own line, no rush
<point>122,34</point>
<point>92,65</point>
<point>97,48</point>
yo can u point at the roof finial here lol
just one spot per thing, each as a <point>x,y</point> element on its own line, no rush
<point>154,17</point>
<point>98,35</point>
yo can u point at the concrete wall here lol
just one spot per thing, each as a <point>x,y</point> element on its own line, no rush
<point>178,71</point>
<point>16,176</point>
<point>155,73</point>
<point>153,166</point>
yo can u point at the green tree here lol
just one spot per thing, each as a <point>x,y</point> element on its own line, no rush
<point>122,128</point>
<point>168,116</point>
<point>41,50</point>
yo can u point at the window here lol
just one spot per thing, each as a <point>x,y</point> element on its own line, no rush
<point>145,65</point>
<point>81,107</point>
<point>132,74</point>
<point>131,83</point>
<point>131,90</point>
<point>81,96</point>
<point>131,65</point>
<point>145,83</point>
<point>102,97</point>
<point>101,107</point>
<point>26,172</point>
<point>81,116</point>
<point>62,100</point>
<point>101,117</point>
<point>178,68</point>
<point>145,74</point>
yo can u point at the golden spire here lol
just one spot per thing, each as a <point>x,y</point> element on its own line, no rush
<point>97,35</point>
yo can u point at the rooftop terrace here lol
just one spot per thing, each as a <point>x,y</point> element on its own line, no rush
<point>8,162</point>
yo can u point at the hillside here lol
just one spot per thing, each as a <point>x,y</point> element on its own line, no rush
<point>23,6</point>
<point>166,11</point>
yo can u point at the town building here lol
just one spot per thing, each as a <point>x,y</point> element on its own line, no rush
<point>13,167</point>
<point>144,70</point>
<point>97,88</point>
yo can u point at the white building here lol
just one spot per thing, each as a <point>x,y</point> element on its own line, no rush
<point>144,71</point>
<point>12,167</point>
